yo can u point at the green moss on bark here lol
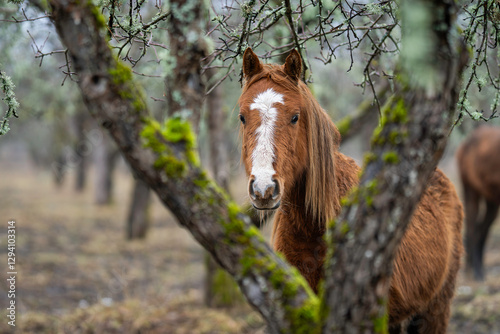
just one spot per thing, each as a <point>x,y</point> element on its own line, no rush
<point>101,21</point>
<point>174,131</point>
<point>381,323</point>
<point>304,318</point>
<point>390,157</point>
<point>121,76</point>
<point>369,157</point>
<point>225,290</point>
<point>393,112</point>
<point>121,73</point>
<point>364,192</point>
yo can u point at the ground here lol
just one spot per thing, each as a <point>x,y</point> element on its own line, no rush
<point>78,274</point>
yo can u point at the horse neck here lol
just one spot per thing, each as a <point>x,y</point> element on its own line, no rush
<point>295,215</point>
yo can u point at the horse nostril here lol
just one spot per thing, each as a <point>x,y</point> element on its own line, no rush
<point>276,189</point>
<point>251,192</point>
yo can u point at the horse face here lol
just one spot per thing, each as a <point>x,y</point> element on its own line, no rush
<point>274,142</point>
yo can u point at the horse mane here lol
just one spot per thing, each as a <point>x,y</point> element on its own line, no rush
<point>323,139</point>
<point>322,197</point>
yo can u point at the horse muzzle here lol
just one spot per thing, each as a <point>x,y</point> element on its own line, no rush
<point>264,195</point>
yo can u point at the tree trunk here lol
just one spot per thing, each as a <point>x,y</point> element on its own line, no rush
<point>138,218</point>
<point>78,124</point>
<point>220,288</point>
<point>217,132</point>
<point>105,156</point>
<point>419,116</point>
<point>185,89</point>
<point>59,169</point>
<point>62,155</point>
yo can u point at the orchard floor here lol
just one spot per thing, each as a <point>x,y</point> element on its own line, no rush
<point>78,274</point>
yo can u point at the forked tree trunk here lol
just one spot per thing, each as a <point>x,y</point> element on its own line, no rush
<point>138,217</point>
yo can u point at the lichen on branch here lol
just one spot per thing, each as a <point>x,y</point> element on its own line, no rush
<point>10,100</point>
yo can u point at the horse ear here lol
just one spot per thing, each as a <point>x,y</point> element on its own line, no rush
<point>251,64</point>
<point>293,65</point>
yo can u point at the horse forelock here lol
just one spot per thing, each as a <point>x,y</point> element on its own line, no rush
<point>275,74</point>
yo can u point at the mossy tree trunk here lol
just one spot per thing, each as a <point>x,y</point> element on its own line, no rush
<point>163,156</point>
<point>406,149</point>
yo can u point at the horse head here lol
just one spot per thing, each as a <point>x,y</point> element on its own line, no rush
<point>274,136</point>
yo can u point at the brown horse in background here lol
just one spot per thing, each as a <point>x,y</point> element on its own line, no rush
<point>290,153</point>
<point>479,163</point>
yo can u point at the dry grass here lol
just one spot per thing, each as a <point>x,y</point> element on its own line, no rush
<point>78,274</point>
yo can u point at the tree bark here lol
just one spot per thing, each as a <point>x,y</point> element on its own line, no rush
<point>218,149</point>
<point>185,87</point>
<point>376,226</point>
<point>220,288</point>
<point>280,294</point>
<point>78,123</point>
<point>105,156</point>
<point>138,218</point>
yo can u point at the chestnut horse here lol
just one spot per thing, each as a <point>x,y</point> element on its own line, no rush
<point>479,164</point>
<point>290,153</point>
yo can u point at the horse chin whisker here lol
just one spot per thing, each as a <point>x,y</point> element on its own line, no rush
<point>262,217</point>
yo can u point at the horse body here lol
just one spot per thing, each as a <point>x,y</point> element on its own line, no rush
<point>478,160</point>
<point>301,173</point>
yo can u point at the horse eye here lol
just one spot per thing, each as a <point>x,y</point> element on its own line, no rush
<point>295,118</point>
<point>242,119</point>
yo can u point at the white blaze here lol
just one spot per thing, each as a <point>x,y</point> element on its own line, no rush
<point>263,154</point>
